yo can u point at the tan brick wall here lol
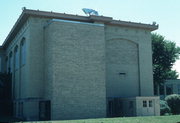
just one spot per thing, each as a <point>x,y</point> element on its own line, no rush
<point>76,53</point>
<point>70,64</point>
<point>36,58</point>
<point>122,68</point>
<point>20,78</point>
<point>131,55</point>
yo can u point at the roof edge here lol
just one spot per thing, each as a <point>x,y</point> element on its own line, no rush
<point>22,18</point>
<point>91,19</point>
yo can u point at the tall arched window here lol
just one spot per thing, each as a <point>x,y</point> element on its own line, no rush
<point>0,65</point>
<point>10,63</point>
<point>16,58</point>
<point>23,52</point>
<point>6,64</point>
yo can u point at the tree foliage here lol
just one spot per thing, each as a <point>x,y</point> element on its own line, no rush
<point>173,102</point>
<point>164,108</point>
<point>165,53</point>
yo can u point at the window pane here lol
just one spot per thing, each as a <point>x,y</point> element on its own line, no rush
<point>144,103</point>
<point>16,59</point>
<point>7,66</point>
<point>0,65</point>
<point>150,103</point>
<point>110,107</point>
<point>23,53</point>
<point>10,63</point>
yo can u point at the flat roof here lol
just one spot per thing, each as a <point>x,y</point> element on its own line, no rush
<point>53,15</point>
<point>172,81</point>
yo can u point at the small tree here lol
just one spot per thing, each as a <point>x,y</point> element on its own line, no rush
<point>173,102</point>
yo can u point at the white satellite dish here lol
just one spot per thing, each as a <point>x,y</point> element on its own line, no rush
<point>154,23</point>
<point>90,12</point>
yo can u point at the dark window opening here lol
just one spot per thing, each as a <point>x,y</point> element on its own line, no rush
<point>44,110</point>
<point>150,103</point>
<point>144,103</point>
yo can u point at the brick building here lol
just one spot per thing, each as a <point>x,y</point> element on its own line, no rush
<point>72,67</point>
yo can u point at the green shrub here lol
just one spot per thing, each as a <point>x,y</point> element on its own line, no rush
<point>173,102</point>
<point>164,108</point>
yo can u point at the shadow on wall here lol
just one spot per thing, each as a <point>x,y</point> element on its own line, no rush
<point>6,103</point>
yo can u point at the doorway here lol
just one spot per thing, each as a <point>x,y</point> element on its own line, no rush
<point>147,108</point>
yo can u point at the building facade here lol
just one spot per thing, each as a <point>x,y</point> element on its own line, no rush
<point>72,67</point>
<point>171,86</point>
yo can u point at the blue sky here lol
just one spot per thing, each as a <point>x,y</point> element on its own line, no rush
<point>165,12</point>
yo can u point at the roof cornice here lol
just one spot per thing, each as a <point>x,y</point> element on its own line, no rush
<point>91,19</point>
<point>17,26</point>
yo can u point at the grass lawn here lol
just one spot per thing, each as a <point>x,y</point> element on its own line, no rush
<point>150,119</point>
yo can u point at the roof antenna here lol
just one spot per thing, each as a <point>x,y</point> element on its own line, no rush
<point>90,12</point>
<point>154,23</point>
<point>23,8</point>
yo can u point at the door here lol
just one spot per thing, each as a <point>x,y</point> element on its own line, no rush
<point>147,108</point>
<point>114,108</point>
<point>44,110</point>
<point>150,107</point>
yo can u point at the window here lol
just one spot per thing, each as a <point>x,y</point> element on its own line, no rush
<point>23,52</point>
<point>20,109</point>
<point>150,103</point>
<point>14,108</point>
<point>16,58</point>
<point>10,63</point>
<point>0,65</point>
<point>130,104</point>
<point>7,68</point>
<point>44,110</point>
<point>169,89</point>
<point>144,103</point>
<point>110,107</point>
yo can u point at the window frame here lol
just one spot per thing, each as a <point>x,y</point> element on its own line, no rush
<point>16,58</point>
<point>150,103</point>
<point>10,62</point>
<point>23,52</point>
<point>144,103</point>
